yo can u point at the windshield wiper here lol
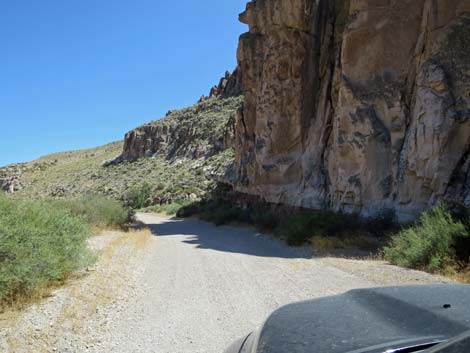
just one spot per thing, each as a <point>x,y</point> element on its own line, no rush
<point>415,348</point>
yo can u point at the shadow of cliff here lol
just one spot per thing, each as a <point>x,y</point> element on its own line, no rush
<point>241,240</point>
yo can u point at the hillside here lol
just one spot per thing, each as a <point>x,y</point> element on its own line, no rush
<point>200,131</point>
<point>198,147</point>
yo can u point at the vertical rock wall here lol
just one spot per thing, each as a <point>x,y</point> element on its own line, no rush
<point>355,105</point>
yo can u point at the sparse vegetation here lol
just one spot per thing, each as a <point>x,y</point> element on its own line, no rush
<point>431,244</point>
<point>334,243</point>
<point>40,242</point>
<point>198,130</point>
<point>439,242</point>
<point>299,228</point>
<point>170,209</point>
<point>221,212</point>
<point>96,210</point>
<point>326,231</point>
<point>139,196</point>
<point>81,172</point>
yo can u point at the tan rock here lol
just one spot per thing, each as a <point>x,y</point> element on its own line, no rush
<point>358,106</point>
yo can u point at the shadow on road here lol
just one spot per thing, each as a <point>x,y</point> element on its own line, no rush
<point>240,240</point>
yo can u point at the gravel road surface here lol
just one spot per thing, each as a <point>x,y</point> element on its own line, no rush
<point>188,287</point>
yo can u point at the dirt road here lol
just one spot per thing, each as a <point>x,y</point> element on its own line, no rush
<point>189,287</point>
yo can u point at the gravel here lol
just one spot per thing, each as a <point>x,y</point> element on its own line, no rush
<point>188,287</point>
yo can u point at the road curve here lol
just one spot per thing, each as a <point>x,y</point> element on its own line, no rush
<point>204,286</point>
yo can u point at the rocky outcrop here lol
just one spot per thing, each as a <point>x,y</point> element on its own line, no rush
<point>11,176</point>
<point>355,105</point>
<point>10,184</point>
<point>229,85</point>
<point>200,131</point>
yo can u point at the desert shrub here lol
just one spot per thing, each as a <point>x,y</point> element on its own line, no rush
<point>189,210</point>
<point>383,224</point>
<point>39,242</point>
<point>461,213</point>
<point>264,218</point>
<point>299,228</point>
<point>170,209</point>
<point>429,245</point>
<point>139,196</point>
<point>220,213</point>
<point>174,207</point>
<point>96,210</point>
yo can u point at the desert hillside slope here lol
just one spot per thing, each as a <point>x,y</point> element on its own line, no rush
<point>356,105</point>
<point>177,156</point>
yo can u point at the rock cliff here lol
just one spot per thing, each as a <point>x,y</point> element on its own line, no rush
<point>200,131</point>
<point>355,105</point>
<point>229,85</point>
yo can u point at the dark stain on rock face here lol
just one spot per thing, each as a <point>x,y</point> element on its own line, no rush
<point>355,181</point>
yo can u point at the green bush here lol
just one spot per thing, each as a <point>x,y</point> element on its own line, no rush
<point>461,213</point>
<point>215,211</point>
<point>219,213</point>
<point>300,228</point>
<point>429,245</point>
<point>96,210</point>
<point>264,218</point>
<point>382,225</point>
<point>39,242</point>
<point>170,208</point>
<point>296,229</point>
<point>139,196</point>
<point>189,210</point>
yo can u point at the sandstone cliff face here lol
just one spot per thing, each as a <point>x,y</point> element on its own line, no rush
<point>355,105</point>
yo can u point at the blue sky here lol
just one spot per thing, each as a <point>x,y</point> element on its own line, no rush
<point>80,73</point>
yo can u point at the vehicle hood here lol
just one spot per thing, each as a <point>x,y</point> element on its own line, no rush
<point>367,320</point>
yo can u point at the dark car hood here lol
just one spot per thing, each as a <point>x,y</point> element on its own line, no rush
<point>380,319</point>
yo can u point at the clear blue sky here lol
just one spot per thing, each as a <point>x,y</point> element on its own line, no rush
<point>80,73</point>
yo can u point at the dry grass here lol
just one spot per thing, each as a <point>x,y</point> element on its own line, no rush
<point>103,283</point>
<point>461,275</point>
<point>21,302</point>
<point>333,243</point>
